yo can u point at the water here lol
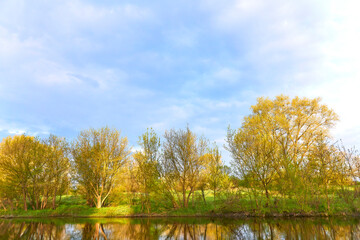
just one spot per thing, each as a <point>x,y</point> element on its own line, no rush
<point>181,228</point>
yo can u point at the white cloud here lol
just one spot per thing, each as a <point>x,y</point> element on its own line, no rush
<point>44,45</point>
<point>272,34</point>
<point>11,128</point>
<point>13,49</point>
<point>341,73</point>
<point>227,75</point>
<point>95,18</point>
<point>16,131</point>
<point>219,78</point>
<point>103,59</point>
<point>182,37</point>
<point>135,149</point>
<point>304,48</point>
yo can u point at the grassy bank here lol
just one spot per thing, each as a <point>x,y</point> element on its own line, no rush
<point>73,206</point>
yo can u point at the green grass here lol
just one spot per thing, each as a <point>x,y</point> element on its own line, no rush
<point>75,206</point>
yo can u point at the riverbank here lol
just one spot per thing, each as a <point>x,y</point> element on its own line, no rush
<point>226,215</point>
<point>75,207</point>
<point>124,212</point>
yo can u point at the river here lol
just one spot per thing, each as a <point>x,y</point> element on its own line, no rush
<point>180,228</point>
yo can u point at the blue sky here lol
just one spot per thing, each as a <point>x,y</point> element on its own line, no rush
<point>73,64</point>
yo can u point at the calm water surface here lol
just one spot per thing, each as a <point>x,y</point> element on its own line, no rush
<point>181,228</point>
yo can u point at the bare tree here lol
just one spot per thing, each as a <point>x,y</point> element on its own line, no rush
<point>181,164</point>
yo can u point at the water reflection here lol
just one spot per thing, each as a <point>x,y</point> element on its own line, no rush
<point>182,228</point>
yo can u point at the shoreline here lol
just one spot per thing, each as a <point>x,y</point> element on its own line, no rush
<point>217,215</point>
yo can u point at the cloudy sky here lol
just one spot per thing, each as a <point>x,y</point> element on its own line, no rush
<point>67,65</point>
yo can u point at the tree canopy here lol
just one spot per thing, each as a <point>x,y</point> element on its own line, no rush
<point>283,148</point>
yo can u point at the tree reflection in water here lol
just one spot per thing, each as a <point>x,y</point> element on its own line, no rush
<point>32,230</point>
<point>149,228</point>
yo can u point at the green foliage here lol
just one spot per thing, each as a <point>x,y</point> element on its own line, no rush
<point>146,167</point>
<point>284,145</point>
<point>283,162</point>
<point>98,157</point>
<point>33,171</point>
<point>181,165</point>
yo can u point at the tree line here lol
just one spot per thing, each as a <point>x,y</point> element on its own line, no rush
<point>283,148</point>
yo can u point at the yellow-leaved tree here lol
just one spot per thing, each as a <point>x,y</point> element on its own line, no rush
<point>146,166</point>
<point>275,140</point>
<point>98,156</point>
<point>215,172</point>
<point>181,164</point>
<point>33,169</point>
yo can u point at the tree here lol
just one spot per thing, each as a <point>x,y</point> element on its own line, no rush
<point>58,166</point>
<point>22,161</point>
<point>295,124</point>
<point>33,168</point>
<point>350,172</point>
<point>325,167</point>
<point>254,155</point>
<point>281,132</point>
<point>215,171</point>
<point>98,155</point>
<point>351,158</point>
<point>147,160</point>
<point>181,164</point>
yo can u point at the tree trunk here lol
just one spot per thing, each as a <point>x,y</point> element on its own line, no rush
<point>54,200</point>
<point>214,198</point>
<point>98,202</point>
<point>37,202</point>
<point>184,197</point>
<point>44,201</point>
<point>203,195</point>
<point>11,204</point>
<point>193,200</point>
<point>24,199</point>
<point>267,197</point>
<point>267,193</point>
<point>327,198</point>
<point>188,197</point>
<point>175,205</point>
<point>148,202</point>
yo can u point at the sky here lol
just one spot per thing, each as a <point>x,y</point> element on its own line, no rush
<point>68,65</point>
